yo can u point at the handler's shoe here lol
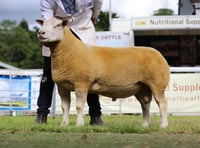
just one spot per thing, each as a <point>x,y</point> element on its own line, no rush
<point>41,118</point>
<point>96,121</point>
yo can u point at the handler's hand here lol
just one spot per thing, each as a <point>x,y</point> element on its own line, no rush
<point>94,20</point>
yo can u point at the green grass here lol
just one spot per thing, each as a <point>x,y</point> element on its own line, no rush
<point>119,131</point>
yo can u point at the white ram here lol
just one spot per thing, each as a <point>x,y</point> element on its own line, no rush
<point>112,72</point>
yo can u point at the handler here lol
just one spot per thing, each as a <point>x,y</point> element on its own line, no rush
<point>82,15</point>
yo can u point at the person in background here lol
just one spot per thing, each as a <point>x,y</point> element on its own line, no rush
<point>81,16</point>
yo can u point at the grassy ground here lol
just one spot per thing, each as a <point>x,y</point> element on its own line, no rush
<point>119,131</point>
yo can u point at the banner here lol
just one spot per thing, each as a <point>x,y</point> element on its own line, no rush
<point>183,95</point>
<point>15,93</point>
<point>167,22</point>
<point>112,39</point>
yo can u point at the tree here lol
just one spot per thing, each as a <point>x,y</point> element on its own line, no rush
<point>7,24</point>
<point>23,24</point>
<point>103,21</point>
<point>163,11</point>
<point>19,46</point>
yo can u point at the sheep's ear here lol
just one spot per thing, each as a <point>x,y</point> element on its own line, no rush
<point>39,21</point>
<point>64,23</point>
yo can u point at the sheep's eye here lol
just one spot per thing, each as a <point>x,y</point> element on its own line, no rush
<point>58,25</point>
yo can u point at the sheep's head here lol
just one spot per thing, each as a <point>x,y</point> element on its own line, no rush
<point>51,30</point>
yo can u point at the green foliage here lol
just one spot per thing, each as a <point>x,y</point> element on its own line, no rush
<point>163,11</point>
<point>19,46</point>
<point>23,24</point>
<point>103,21</point>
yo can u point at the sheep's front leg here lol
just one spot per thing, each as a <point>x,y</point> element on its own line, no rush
<point>65,104</point>
<point>81,96</point>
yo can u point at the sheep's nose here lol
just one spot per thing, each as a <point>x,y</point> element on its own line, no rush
<point>41,32</point>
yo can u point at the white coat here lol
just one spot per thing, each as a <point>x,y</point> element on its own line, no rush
<point>80,22</point>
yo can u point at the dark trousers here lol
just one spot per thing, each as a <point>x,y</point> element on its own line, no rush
<point>46,92</point>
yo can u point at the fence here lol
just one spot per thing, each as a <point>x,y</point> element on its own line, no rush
<point>19,90</point>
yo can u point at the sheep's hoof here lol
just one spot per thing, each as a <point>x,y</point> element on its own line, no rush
<point>64,123</point>
<point>145,124</point>
<point>164,125</point>
<point>79,124</point>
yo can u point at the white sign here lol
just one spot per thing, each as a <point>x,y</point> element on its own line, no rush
<point>183,95</point>
<point>166,22</point>
<point>112,39</point>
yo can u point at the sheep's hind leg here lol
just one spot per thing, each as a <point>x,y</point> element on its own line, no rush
<point>144,96</point>
<point>162,104</point>
<point>65,104</point>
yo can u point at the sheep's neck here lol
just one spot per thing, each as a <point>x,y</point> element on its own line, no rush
<point>51,45</point>
<point>66,46</point>
<point>64,53</point>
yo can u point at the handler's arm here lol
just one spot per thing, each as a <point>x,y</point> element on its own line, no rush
<point>97,4</point>
<point>46,8</point>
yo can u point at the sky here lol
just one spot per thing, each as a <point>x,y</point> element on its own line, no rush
<point>29,9</point>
